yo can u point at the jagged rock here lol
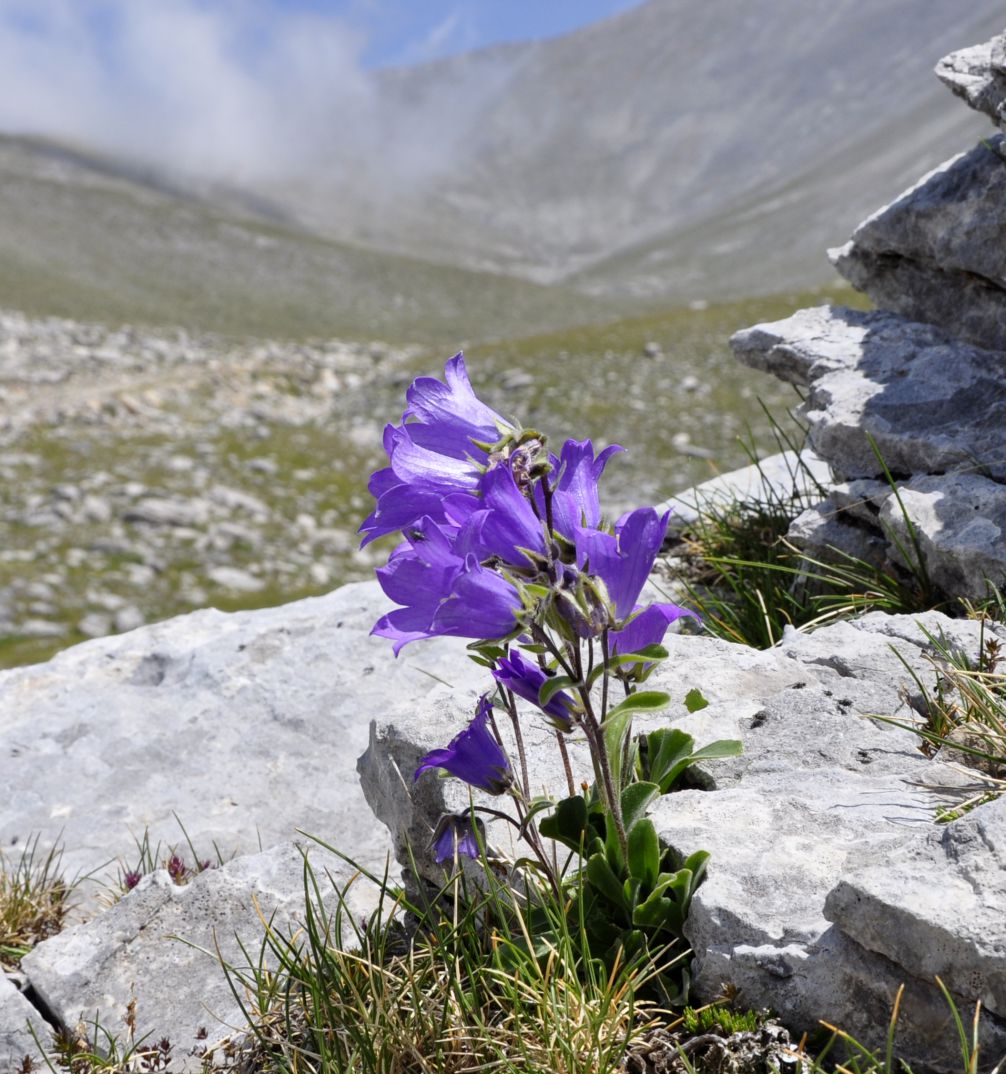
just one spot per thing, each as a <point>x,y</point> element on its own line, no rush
<point>16,1040</point>
<point>978,74</point>
<point>936,254</point>
<point>157,946</point>
<point>785,478</point>
<point>947,528</point>
<point>244,726</point>
<point>952,924</point>
<point>931,404</point>
<point>959,521</point>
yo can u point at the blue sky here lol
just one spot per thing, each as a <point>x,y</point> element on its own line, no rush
<point>409,31</point>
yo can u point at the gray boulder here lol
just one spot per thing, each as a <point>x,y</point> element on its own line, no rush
<point>931,404</point>
<point>951,925</point>
<point>936,254</point>
<point>162,944</point>
<point>17,1040</point>
<point>978,74</point>
<point>242,728</point>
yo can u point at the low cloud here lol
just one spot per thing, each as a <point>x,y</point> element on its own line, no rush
<point>236,90</point>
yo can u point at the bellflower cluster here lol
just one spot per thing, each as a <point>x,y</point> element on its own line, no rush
<point>504,543</point>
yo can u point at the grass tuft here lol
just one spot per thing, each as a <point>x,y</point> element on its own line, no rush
<point>34,900</point>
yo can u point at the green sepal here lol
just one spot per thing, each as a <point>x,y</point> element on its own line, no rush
<point>552,686</point>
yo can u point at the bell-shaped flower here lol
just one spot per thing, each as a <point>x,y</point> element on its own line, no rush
<point>648,627</point>
<point>443,592</point>
<point>434,453</point>
<point>419,575</point>
<point>525,679</point>
<point>623,560</point>
<point>474,755</point>
<point>447,418</point>
<point>506,525</point>
<point>455,836</point>
<point>575,499</point>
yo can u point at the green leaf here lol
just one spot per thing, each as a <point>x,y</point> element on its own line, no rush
<point>568,824</point>
<point>615,728</point>
<point>668,751</point>
<point>644,852</point>
<point>636,799</point>
<point>602,877</point>
<point>552,686</point>
<point>721,748</point>
<point>641,701</point>
<point>694,701</point>
<point>654,912</point>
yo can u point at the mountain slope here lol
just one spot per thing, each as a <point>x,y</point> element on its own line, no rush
<point>563,158</point>
<point>86,238</point>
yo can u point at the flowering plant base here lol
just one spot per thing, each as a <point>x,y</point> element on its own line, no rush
<point>504,543</point>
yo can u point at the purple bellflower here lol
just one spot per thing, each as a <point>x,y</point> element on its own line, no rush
<point>443,592</point>
<point>433,454</point>
<point>473,755</point>
<point>648,627</point>
<point>575,500</point>
<point>525,679</point>
<point>623,560</point>
<point>455,834</point>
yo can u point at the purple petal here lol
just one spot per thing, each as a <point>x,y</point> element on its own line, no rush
<point>575,500</point>
<point>473,755</point>
<point>482,605</point>
<point>506,524</point>
<point>455,834</point>
<point>624,561</point>
<point>453,405</point>
<point>646,628</point>
<point>526,679</point>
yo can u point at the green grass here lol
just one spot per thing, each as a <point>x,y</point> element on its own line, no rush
<point>34,900</point>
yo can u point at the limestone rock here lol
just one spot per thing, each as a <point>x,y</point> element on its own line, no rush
<point>978,74</point>
<point>959,521</point>
<point>931,404</point>
<point>936,254</point>
<point>245,727</point>
<point>951,924</point>
<point>818,783</point>
<point>787,477</point>
<point>156,945</point>
<point>817,788</point>
<point>16,1040</point>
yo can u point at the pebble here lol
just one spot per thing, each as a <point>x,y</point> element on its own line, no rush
<point>234,578</point>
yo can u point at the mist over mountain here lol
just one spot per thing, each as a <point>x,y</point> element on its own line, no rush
<point>680,149</point>
<point>684,149</point>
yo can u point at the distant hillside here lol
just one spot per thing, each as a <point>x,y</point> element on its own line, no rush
<point>87,237</point>
<point>686,148</point>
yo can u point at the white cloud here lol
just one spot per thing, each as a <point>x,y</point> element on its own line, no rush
<point>234,90</point>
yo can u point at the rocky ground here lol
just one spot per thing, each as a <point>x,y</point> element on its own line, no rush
<point>146,473</point>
